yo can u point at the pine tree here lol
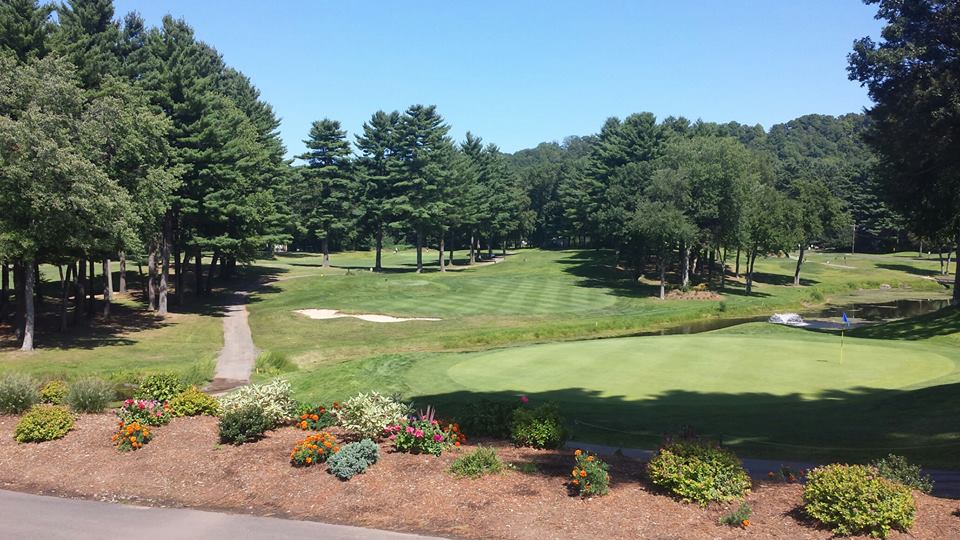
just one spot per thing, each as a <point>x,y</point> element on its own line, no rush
<point>377,167</point>
<point>25,28</point>
<point>89,37</point>
<point>328,189</point>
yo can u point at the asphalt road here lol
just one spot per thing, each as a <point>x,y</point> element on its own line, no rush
<point>34,517</point>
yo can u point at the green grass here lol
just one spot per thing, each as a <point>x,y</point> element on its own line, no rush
<point>534,296</point>
<point>767,391</point>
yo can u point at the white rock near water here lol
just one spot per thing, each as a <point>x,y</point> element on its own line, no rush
<point>789,319</point>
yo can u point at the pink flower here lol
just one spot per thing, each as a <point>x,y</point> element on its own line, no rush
<point>524,399</point>
<point>418,434</point>
<point>437,438</point>
<point>410,429</point>
<point>434,422</point>
<point>392,437</point>
<point>140,405</point>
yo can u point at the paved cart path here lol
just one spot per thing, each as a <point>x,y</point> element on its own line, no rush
<point>237,358</point>
<point>24,516</point>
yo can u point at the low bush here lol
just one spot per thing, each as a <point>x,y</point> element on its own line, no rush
<point>739,517</point>
<point>590,475</point>
<point>353,459</point>
<point>193,402</point>
<point>272,398</point>
<point>315,417</point>
<point>541,427</point>
<point>480,462</point>
<point>898,469</point>
<point>423,436</point>
<point>243,425</point>
<point>271,364</point>
<point>486,418</point>
<point>699,471</point>
<point>18,392</point>
<point>90,395</point>
<point>131,436</point>
<point>143,411</point>
<point>160,387</point>
<point>53,392</point>
<point>314,449</point>
<point>43,423</point>
<point>854,499</point>
<point>369,414</point>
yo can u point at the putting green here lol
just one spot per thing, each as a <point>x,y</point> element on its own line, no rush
<point>645,367</point>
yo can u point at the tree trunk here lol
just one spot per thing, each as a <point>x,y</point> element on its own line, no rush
<point>419,251</point>
<point>152,278</point>
<point>198,273</point>
<point>796,273</point>
<point>450,247</point>
<point>685,265</point>
<point>503,250</point>
<point>91,273</point>
<point>211,270</point>
<point>178,270</point>
<point>38,286</point>
<point>663,278</point>
<point>30,317</point>
<point>473,254</point>
<point>81,291</point>
<point>736,272</point>
<point>4,288</point>
<point>164,270</point>
<point>956,272</point>
<point>378,266</point>
<point>751,258</point>
<point>326,252</point>
<point>18,286</point>
<point>443,251</point>
<point>943,269</point>
<point>123,273</point>
<point>65,298</point>
<point>490,247</point>
<point>723,268</point>
<point>107,288</point>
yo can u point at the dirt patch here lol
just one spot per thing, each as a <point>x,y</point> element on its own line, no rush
<point>184,466</point>
<point>677,294</point>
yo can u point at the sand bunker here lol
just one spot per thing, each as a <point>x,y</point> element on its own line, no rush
<point>334,314</point>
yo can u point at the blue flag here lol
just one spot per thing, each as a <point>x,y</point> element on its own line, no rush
<point>845,320</point>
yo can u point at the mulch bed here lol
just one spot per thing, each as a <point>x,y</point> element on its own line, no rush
<point>184,466</point>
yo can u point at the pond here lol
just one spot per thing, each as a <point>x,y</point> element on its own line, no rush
<point>857,312</point>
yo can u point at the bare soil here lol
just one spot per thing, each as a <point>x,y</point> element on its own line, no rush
<point>184,466</point>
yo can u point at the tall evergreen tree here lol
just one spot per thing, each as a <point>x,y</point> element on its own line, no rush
<point>328,192</point>
<point>25,28</point>
<point>379,152</point>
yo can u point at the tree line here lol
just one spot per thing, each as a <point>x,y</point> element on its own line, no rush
<point>128,144</point>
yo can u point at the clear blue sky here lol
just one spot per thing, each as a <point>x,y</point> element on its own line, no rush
<point>521,72</point>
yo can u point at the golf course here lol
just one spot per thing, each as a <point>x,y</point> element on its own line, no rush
<point>541,324</point>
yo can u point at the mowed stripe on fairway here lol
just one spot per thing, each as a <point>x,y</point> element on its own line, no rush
<point>645,367</point>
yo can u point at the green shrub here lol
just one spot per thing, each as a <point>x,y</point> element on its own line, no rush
<point>541,427</point>
<point>739,517</point>
<point>271,364</point>
<point>368,414</point>
<point>243,425</point>
<point>898,469</point>
<point>854,499</point>
<point>590,475</point>
<point>272,398</point>
<point>480,462</point>
<point>43,423</point>
<point>53,392</point>
<point>193,402</point>
<point>353,459</point>
<point>698,471</point>
<point>816,295</point>
<point>160,387</point>
<point>18,392</point>
<point>486,418</point>
<point>90,395</point>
